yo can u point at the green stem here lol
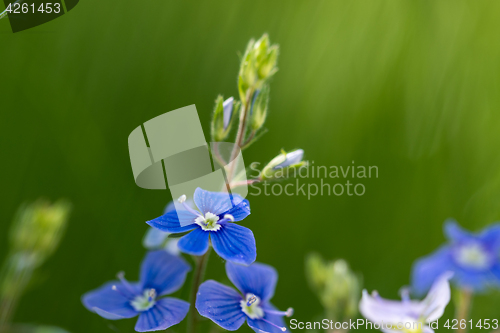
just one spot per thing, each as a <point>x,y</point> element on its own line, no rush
<point>248,140</point>
<point>240,134</point>
<point>199,273</point>
<point>463,308</point>
<point>13,281</point>
<point>243,183</point>
<point>216,154</point>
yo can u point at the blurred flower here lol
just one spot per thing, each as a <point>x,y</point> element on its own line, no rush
<point>36,232</point>
<point>38,228</point>
<point>415,314</point>
<point>472,257</point>
<point>223,117</point>
<point>258,64</point>
<point>283,165</point>
<point>229,309</point>
<point>161,274</point>
<point>213,222</point>
<point>155,239</point>
<point>337,287</point>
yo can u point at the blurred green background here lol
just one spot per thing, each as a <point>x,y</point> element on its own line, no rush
<point>409,86</point>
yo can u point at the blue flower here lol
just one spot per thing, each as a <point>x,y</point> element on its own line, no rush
<point>474,258</point>
<point>229,309</point>
<point>161,274</point>
<point>213,222</point>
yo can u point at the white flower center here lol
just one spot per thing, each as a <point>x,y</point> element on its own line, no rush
<point>145,301</point>
<point>208,222</point>
<point>250,307</point>
<point>473,256</point>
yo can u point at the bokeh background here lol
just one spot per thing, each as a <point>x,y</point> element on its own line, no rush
<point>409,86</point>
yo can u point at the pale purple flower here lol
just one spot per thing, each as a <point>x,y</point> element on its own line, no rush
<point>407,315</point>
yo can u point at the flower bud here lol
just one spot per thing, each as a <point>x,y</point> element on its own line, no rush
<point>38,228</point>
<point>259,108</point>
<point>223,117</point>
<point>337,287</point>
<point>258,64</point>
<point>283,165</point>
<point>316,271</point>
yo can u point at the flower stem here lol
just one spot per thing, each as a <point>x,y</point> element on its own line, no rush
<point>199,273</point>
<point>463,308</point>
<point>244,182</point>
<point>13,280</point>
<point>240,134</point>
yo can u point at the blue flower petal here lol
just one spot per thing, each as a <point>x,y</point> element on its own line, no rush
<point>426,270</point>
<point>234,243</point>
<point>240,210</point>
<point>221,304</point>
<point>258,279</point>
<point>495,274</point>
<point>214,202</point>
<point>477,281</point>
<point>455,233</point>
<point>170,221</point>
<point>112,304</point>
<point>163,271</point>
<point>165,313</point>
<point>195,243</point>
<point>490,238</point>
<point>259,325</point>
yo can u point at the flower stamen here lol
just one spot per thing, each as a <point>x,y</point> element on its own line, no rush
<point>182,201</point>
<point>251,300</point>
<point>126,284</point>
<point>145,301</point>
<point>283,329</point>
<point>250,307</point>
<point>288,312</point>
<point>209,222</point>
<point>115,288</point>
<point>152,294</point>
<point>405,294</point>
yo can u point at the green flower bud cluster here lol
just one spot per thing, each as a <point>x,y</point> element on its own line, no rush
<point>337,287</point>
<point>258,65</point>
